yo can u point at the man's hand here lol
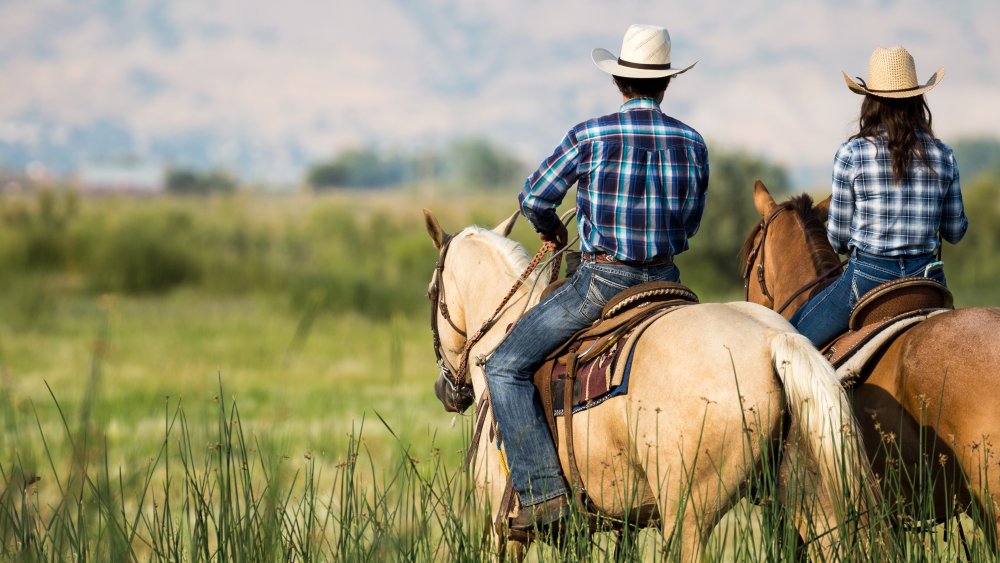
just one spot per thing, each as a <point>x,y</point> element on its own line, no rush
<point>559,236</point>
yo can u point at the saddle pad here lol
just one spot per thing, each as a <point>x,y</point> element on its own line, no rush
<point>849,368</point>
<point>603,377</point>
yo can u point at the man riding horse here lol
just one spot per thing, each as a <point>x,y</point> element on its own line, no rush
<point>641,178</point>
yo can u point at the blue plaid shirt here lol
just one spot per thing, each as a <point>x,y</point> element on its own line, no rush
<point>642,180</point>
<point>868,212</point>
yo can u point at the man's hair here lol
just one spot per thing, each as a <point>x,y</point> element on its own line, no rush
<point>900,121</point>
<point>642,87</point>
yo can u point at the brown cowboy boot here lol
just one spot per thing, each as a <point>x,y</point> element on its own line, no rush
<point>541,516</point>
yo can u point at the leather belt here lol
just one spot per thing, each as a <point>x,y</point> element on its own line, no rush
<point>605,258</point>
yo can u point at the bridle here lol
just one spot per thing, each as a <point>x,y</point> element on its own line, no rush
<point>458,377</point>
<point>438,303</point>
<point>759,250</point>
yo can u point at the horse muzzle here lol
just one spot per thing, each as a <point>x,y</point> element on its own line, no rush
<point>455,398</point>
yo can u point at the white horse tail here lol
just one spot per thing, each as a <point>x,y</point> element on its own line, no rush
<point>830,434</point>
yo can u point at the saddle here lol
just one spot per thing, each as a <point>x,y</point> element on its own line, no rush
<point>594,352</point>
<point>593,366</point>
<point>882,315</point>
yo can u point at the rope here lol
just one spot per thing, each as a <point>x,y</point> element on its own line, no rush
<point>463,365</point>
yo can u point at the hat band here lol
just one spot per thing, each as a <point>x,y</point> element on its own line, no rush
<point>865,86</point>
<point>644,66</point>
<point>900,90</point>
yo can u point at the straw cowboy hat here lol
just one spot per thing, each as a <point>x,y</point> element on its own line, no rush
<point>645,54</point>
<point>892,74</point>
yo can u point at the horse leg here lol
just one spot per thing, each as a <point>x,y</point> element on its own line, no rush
<point>627,544</point>
<point>513,551</point>
<point>985,518</point>
<point>788,545</point>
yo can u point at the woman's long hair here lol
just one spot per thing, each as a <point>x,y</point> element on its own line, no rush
<point>901,120</point>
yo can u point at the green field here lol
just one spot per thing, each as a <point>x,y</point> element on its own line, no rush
<point>250,378</point>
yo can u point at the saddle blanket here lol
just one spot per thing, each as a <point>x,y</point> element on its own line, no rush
<point>852,364</point>
<point>604,377</point>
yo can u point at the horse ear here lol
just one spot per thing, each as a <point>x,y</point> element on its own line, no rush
<point>823,208</point>
<point>434,229</point>
<point>504,228</point>
<point>762,199</point>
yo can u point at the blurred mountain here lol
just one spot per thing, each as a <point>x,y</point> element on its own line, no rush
<point>265,89</point>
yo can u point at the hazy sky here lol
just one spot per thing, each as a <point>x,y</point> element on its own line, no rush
<point>308,78</point>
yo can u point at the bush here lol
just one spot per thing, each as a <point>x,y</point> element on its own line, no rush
<point>191,182</point>
<point>34,233</point>
<point>145,253</point>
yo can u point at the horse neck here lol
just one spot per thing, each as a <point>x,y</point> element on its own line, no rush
<point>483,276</point>
<point>789,263</point>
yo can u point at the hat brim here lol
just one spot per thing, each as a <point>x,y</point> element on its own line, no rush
<point>608,62</point>
<point>860,89</point>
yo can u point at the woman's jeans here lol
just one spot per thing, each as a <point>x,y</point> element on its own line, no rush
<point>826,316</point>
<point>531,454</point>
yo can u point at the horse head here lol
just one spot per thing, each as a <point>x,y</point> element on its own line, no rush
<point>456,290</point>
<point>786,252</point>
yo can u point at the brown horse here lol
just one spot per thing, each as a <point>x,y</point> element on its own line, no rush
<point>928,405</point>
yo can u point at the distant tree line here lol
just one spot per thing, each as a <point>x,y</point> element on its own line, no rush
<point>231,246</point>
<point>470,162</point>
<point>184,181</point>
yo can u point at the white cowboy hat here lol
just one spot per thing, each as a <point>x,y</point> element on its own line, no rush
<point>892,74</point>
<point>645,54</point>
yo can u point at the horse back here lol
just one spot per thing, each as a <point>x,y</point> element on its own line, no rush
<point>931,395</point>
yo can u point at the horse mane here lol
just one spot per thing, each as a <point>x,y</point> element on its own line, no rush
<point>510,251</point>
<point>822,254</point>
<point>747,249</point>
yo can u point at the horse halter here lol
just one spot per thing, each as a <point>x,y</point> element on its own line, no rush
<point>436,295</point>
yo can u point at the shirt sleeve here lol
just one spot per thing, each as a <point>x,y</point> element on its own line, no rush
<point>694,206</point>
<point>954,223</point>
<point>838,228</point>
<point>546,187</point>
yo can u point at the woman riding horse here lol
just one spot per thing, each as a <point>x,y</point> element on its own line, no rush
<point>895,190</point>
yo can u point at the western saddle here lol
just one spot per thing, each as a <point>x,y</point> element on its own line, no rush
<point>882,309</point>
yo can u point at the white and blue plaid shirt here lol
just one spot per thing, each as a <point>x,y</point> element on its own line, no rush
<point>642,180</point>
<point>871,213</point>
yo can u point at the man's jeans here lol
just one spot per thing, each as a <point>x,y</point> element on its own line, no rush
<point>534,465</point>
<point>826,316</point>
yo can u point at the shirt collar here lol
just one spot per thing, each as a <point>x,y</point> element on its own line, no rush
<point>640,103</point>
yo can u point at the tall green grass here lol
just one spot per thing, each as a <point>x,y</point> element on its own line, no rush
<point>322,441</point>
<point>221,492</point>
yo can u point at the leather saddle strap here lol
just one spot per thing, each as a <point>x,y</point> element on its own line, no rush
<point>505,509</point>
<point>481,409</point>
<point>575,481</point>
<point>604,343</point>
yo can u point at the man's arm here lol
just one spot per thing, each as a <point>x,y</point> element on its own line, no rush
<point>545,189</point>
<point>694,206</point>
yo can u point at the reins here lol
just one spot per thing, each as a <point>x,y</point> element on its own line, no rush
<point>458,377</point>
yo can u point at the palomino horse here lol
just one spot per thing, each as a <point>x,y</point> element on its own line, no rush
<point>710,389</point>
<point>929,401</point>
